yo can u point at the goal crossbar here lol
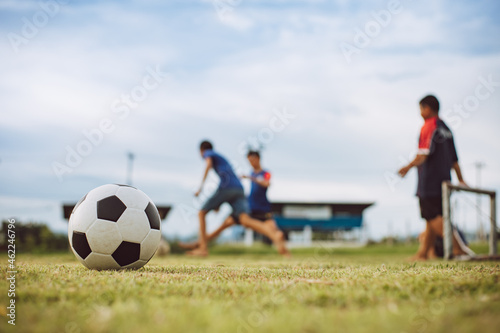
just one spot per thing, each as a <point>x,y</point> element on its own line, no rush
<point>448,188</point>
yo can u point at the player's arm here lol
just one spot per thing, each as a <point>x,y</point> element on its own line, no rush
<point>424,149</point>
<point>458,171</point>
<point>418,161</point>
<point>264,181</point>
<point>209,165</point>
<point>261,181</point>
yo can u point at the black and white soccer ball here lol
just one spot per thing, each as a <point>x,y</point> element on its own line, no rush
<point>114,227</point>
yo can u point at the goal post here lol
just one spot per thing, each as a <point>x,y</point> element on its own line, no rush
<point>448,189</point>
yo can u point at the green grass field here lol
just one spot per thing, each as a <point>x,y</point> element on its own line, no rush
<point>372,289</point>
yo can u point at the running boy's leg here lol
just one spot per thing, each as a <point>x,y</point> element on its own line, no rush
<point>212,203</point>
<point>271,223</point>
<point>226,224</point>
<point>274,234</point>
<point>202,249</point>
<point>240,209</point>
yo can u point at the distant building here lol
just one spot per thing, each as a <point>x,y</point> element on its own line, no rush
<point>303,222</point>
<point>320,217</point>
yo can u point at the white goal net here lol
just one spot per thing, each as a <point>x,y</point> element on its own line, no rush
<point>473,212</point>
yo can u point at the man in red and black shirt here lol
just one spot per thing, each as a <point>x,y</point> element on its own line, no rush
<point>435,158</point>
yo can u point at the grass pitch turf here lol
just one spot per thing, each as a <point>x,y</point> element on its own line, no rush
<point>372,289</point>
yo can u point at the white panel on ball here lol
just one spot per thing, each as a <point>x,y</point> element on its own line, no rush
<point>104,237</point>
<point>133,225</point>
<point>82,261</point>
<point>84,215</point>
<point>150,244</point>
<point>132,197</point>
<point>102,192</point>
<point>101,261</point>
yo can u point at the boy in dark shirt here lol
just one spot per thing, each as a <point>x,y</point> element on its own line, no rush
<point>231,191</point>
<point>260,207</point>
<point>435,158</point>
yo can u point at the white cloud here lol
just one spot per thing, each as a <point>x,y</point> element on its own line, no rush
<point>14,5</point>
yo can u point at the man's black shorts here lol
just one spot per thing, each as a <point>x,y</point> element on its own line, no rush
<point>431,207</point>
<point>257,215</point>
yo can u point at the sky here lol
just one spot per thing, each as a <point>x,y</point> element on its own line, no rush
<point>330,89</point>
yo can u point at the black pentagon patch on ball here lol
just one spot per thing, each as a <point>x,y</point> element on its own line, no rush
<point>127,253</point>
<point>110,208</point>
<point>154,219</point>
<point>80,244</point>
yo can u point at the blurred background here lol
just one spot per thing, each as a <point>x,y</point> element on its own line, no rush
<point>101,92</point>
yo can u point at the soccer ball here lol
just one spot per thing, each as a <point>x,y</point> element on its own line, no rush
<point>114,227</point>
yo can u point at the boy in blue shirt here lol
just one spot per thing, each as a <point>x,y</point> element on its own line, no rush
<point>259,204</point>
<point>231,191</point>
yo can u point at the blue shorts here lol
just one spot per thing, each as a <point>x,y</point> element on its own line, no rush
<point>233,196</point>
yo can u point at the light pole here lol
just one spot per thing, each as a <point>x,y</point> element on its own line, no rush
<point>130,165</point>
